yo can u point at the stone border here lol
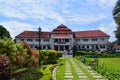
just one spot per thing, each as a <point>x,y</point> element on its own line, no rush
<point>54,73</point>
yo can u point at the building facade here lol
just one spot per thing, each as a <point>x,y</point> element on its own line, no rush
<point>62,38</point>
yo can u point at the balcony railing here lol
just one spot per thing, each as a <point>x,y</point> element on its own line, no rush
<point>60,42</point>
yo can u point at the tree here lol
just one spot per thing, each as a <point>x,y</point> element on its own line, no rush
<point>116,15</point>
<point>4,33</point>
<point>8,48</point>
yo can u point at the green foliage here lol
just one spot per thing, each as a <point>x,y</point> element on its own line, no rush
<point>116,11</point>
<point>47,74</point>
<point>32,73</point>
<point>109,67</point>
<point>117,33</point>
<point>48,56</point>
<point>8,47</point>
<point>33,54</point>
<point>82,53</point>
<point>20,70</point>
<point>21,54</point>
<point>59,54</point>
<point>95,54</point>
<point>116,8</point>
<point>4,67</point>
<point>4,33</point>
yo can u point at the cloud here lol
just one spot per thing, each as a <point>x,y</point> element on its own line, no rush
<point>106,3</point>
<point>86,19</point>
<point>38,9</point>
<point>16,28</point>
<point>101,3</point>
<point>51,13</point>
<point>55,9</point>
<point>109,29</point>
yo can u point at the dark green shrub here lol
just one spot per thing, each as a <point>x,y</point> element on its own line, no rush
<point>48,56</point>
<point>59,54</point>
<point>32,73</point>
<point>82,53</point>
<point>52,57</point>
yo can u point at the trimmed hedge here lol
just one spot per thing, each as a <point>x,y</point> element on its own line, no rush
<point>49,56</point>
<point>85,53</point>
<point>59,54</point>
<point>95,54</point>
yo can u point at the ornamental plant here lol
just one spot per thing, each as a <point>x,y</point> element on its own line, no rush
<point>4,67</point>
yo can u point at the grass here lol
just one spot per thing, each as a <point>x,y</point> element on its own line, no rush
<point>84,70</point>
<point>73,71</point>
<point>109,67</point>
<point>61,70</point>
<point>110,63</point>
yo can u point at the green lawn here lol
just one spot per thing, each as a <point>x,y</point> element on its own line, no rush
<point>61,70</point>
<point>109,67</point>
<point>110,63</point>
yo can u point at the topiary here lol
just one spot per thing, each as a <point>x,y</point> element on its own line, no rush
<point>4,67</point>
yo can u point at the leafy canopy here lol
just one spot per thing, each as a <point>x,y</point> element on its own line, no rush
<point>116,15</point>
<point>4,33</point>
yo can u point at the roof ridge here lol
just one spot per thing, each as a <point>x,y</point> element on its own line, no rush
<point>87,30</point>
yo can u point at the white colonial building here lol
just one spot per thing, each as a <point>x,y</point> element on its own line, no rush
<point>63,38</point>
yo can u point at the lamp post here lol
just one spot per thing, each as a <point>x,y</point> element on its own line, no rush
<point>39,32</point>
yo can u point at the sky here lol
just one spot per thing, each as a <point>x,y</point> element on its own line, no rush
<point>78,15</point>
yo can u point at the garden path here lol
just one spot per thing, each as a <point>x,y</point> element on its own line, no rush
<point>76,70</point>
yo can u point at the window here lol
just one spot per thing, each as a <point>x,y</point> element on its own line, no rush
<point>102,39</point>
<point>85,39</point>
<point>87,46</point>
<point>66,40</point>
<point>83,47</point>
<point>94,39</point>
<point>46,40</point>
<point>78,39</point>
<point>102,46</point>
<point>29,40</point>
<point>56,40</point>
<point>38,40</point>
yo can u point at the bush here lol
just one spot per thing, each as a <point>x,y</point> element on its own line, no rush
<point>4,67</point>
<point>47,73</point>
<point>82,53</point>
<point>95,54</point>
<point>32,73</point>
<point>48,56</point>
<point>59,54</point>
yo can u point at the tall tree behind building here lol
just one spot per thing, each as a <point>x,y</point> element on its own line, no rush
<point>4,33</point>
<point>116,15</point>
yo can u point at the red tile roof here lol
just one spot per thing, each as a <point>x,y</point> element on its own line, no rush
<point>91,33</point>
<point>61,35</point>
<point>33,34</point>
<point>62,29</point>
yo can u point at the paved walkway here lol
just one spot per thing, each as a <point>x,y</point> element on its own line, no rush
<point>83,72</point>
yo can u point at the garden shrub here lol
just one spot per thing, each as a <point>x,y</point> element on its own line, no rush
<point>47,73</point>
<point>59,54</point>
<point>95,54</point>
<point>52,59</point>
<point>33,54</point>
<point>4,67</point>
<point>32,73</point>
<point>48,56</point>
<point>103,70</point>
